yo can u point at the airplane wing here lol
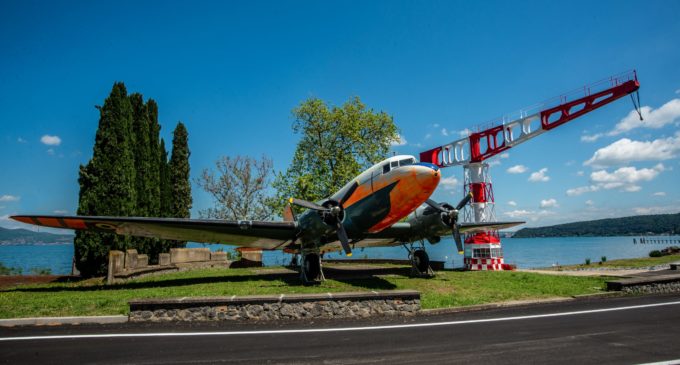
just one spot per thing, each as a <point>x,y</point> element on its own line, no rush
<point>257,234</point>
<point>402,232</point>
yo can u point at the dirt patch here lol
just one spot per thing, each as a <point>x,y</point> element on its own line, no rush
<point>7,281</point>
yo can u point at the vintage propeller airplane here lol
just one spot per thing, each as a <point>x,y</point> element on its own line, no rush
<point>366,212</point>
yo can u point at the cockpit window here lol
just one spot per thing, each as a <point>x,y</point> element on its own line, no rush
<point>386,168</point>
<point>406,162</point>
<point>394,164</point>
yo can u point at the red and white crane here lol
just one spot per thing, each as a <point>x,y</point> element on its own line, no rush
<point>483,250</point>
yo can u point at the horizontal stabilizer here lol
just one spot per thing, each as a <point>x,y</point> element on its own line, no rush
<point>486,226</point>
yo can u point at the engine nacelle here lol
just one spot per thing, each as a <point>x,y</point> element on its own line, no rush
<point>430,223</point>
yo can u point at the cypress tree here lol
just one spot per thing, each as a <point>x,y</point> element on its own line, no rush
<point>165,186</point>
<point>179,173</point>
<point>180,186</point>
<point>143,179</point>
<point>107,182</point>
<point>155,153</point>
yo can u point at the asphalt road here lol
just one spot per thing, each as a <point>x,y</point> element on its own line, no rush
<point>625,330</point>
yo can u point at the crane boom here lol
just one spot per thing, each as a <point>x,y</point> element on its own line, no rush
<point>500,135</point>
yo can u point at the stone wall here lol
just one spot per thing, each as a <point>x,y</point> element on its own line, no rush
<point>263,308</point>
<point>653,288</point>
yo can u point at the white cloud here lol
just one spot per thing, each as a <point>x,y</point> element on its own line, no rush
<point>529,214</point>
<point>21,140</point>
<point>591,138</point>
<point>517,169</point>
<point>428,136</point>
<point>50,151</point>
<point>464,133</point>
<point>494,162</point>
<point>436,125</point>
<point>625,150</point>
<point>449,183</point>
<point>539,176</point>
<point>504,155</point>
<point>580,173</point>
<point>656,210</point>
<point>659,193</point>
<point>519,213</point>
<point>625,179</point>
<point>549,203</point>
<point>677,91</point>
<point>590,203</point>
<point>400,141</point>
<point>653,118</point>
<point>445,132</point>
<point>50,140</point>
<point>60,211</point>
<point>512,203</point>
<point>582,189</point>
<point>9,198</point>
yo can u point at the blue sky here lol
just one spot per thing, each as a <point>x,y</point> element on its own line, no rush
<point>232,72</point>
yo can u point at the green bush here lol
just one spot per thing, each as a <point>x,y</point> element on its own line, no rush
<point>603,259</point>
<point>655,253</point>
<point>4,270</point>
<point>588,261</point>
<point>41,271</point>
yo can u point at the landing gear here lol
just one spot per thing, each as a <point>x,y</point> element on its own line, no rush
<point>420,262</point>
<point>310,270</point>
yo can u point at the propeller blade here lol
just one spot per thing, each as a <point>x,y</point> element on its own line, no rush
<point>306,204</point>
<point>464,201</point>
<point>456,237</point>
<point>344,240</point>
<point>349,193</point>
<point>435,205</point>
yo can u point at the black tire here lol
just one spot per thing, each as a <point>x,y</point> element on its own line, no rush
<point>421,260</point>
<point>311,266</point>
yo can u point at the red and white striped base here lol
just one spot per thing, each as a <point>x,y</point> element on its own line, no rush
<point>477,264</point>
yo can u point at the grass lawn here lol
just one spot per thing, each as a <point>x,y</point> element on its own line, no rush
<point>642,262</point>
<point>447,289</point>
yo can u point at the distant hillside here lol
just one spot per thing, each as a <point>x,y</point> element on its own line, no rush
<point>626,226</point>
<point>23,236</point>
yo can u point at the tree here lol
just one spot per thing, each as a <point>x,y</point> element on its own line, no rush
<point>155,155</point>
<point>107,182</point>
<point>165,184</point>
<point>180,186</point>
<point>238,188</point>
<point>337,144</point>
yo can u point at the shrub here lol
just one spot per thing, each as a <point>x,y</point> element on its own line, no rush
<point>603,259</point>
<point>41,271</point>
<point>588,261</point>
<point>655,253</point>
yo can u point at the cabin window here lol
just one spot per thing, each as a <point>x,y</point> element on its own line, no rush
<point>406,162</point>
<point>386,168</point>
<point>394,164</point>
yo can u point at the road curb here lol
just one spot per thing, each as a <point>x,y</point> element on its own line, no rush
<point>57,321</point>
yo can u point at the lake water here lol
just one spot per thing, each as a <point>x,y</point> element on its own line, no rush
<point>523,252</point>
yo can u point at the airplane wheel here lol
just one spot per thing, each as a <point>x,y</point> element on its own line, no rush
<point>311,267</point>
<point>421,260</point>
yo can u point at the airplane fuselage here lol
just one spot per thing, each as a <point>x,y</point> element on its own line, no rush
<point>385,193</point>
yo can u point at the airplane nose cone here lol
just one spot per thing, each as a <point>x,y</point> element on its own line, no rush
<point>428,175</point>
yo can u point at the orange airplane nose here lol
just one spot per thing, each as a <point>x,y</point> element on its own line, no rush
<point>428,176</point>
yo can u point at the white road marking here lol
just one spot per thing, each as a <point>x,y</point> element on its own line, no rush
<point>342,329</point>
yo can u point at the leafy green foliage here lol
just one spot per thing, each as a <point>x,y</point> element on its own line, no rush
<point>655,253</point>
<point>178,173</point>
<point>129,175</point>
<point>337,144</point>
<point>5,270</point>
<point>107,182</point>
<point>627,226</point>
